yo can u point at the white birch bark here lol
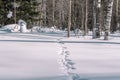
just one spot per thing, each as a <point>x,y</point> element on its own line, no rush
<point>98,22</point>
<point>107,21</point>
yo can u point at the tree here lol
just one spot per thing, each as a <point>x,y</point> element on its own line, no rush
<point>22,9</point>
<point>117,13</point>
<point>86,17</point>
<point>43,12</point>
<point>53,12</point>
<point>28,12</point>
<point>96,18</point>
<point>5,8</point>
<point>69,18</point>
<point>107,21</point>
<point>83,16</point>
<point>1,13</point>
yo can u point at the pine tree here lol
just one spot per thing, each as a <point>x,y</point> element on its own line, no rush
<point>26,10</point>
<point>5,7</point>
<point>1,12</point>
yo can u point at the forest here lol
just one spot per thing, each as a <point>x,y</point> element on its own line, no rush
<point>87,15</point>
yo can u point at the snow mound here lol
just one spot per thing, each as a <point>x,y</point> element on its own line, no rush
<point>20,27</point>
<point>11,28</point>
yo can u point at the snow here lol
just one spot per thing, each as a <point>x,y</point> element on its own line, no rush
<point>23,26</point>
<point>20,27</point>
<point>10,14</point>
<point>11,28</point>
<point>34,56</point>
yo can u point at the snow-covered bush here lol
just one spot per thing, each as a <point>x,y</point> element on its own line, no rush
<point>23,26</point>
<point>66,64</point>
<point>45,29</point>
<point>49,30</point>
<point>36,29</point>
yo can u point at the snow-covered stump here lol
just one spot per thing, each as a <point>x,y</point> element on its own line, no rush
<point>66,64</point>
<point>23,25</point>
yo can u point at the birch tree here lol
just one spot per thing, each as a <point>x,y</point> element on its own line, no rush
<point>98,22</point>
<point>96,18</point>
<point>107,21</point>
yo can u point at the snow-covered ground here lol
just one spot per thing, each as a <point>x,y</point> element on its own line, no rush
<point>34,56</point>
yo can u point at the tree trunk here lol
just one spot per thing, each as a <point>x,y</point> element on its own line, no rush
<point>117,13</point>
<point>94,19</point>
<point>114,17</point>
<point>83,18</point>
<point>98,19</point>
<point>44,12</point>
<point>107,21</point>
<point>86,17</point>
<point>62,13</point>
<point>69,19</point>
<point>14,11</point>
<point>53,12</point>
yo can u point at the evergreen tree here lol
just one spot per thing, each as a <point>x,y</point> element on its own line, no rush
<point>23,9</point>
<point>1,12</point>
<point>5,7</point>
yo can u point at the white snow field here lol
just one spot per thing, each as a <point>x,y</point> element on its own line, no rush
<point>30,56</point>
